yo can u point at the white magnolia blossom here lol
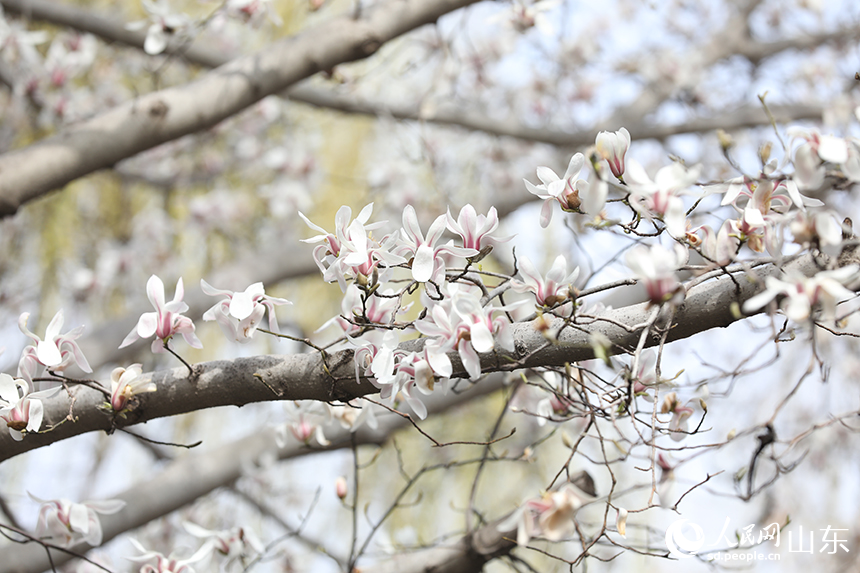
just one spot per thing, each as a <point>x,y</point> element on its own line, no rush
<point>661,198</point>
<point>164,24</point>
<point>21,409</point>
<point>56,352</point>
<point>803,294</point>
<point>169,564</point>
<point>656,266</point>
<point>239,314</point>
<point>613,146</point>
<point>65,523</point>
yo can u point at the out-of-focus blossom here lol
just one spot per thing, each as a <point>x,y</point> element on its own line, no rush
<point>427,261</point>
<point>167,319</point>
<point>476,230</point>
<point>721,246</point>
<point>550,516</point>
<point>65,523</point>
<point>656,266</point>
<point>253,11</point>
<point>680,414</point>
<point>526,14</point>
<point>305,421</point>
<point>802,294</point>
<point>168,564</point>
<point>126,383</point>
<point>809,158</point>
<point>662,196</point>
<point>612,146</point>
<point>819,230</point>
<point>56,352</point>
<point>553,290</point>
<point>163,26</point>
<point>621,522</point>
<point>354,414</point>
<point>240,313</point>
<point>21,409</point>
<point>235,543</point>
<point>359,309</point>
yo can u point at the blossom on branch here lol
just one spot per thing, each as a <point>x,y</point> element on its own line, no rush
<point>474,229</point>
<point>125,383</point>
<point>56,352</point>
<point>426,257</point>
<point>656,267</point>
<point>65,523</point>
<point>613,147</point>
<point>661,197</point>
<point>164,26</point>
<point>802,294</point>
<point>573,194</point>
<point>556,289</point>
<point>20,408</point>
<point>166,321</point>
<point>240,313</point>
<point>168,564</point>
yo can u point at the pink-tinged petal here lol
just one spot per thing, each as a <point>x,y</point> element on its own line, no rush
<point>574,166</point>
<point>55,326</point>
<point>482,338</point>
<point>531,277</point>
<point>79,518</point>
<point>546,175</point>
<point>470,359</point>
<point>22,325</point>
<point>313,226</point>
<point>179,294</point>
<point>80,359</point>
<point>34,415</point>
<point>422,264</point>
<point>365,213</point>
<point>212,291</point>
<point>107,506</point>
<point>435,231</point>
<point>8,389</point>
<point>411,226</point>
<point>155,292</point>
<point>157,346</point>
<point>535,190</point>
<point>546,213</point>
<point>594,198</point>
<point>147,324</point>
<point>440,363</point>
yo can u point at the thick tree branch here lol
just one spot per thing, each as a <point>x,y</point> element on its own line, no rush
<point>473,119</point>
<point>168,114</point>
<point>311,377</point>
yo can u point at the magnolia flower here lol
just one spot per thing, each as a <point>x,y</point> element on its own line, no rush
<point>475,229</point>
<point>820,230</point>
<point>573,194</point>
<point>680,414</point>
<point>427,258</point>
<point>164,26</point>
<point>168,564</point>
<point>656,267</point>
<point>21,409</point>
<point>126,383</point>
<point>553,290</point>
<point>810,156</point>
<point>56,352</point>
<point>305,422</point>
<point>661,196</point>
<point>613,147</point>
<point>232,543</point>
<point>167,319</point>
<point>802,293</point>
<point>65,523</point>
<point>240,313</point>
<point>550,516</point>
<point>621,522</point>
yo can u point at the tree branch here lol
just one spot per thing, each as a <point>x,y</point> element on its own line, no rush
<point>309,377</point>
<point>168,114</point>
